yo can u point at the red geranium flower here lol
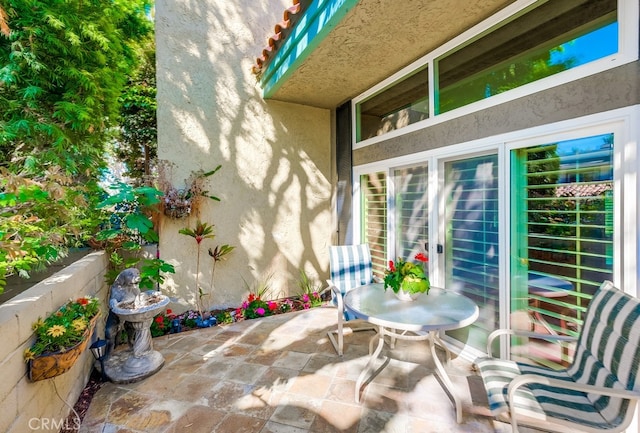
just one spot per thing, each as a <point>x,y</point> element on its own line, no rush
<point>82,301</point>
<point>392,267</point>
<point>422,258</point>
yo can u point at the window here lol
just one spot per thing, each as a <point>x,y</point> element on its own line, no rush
<point>543,42</point>
<point>402,104</point>
<point>411,211</point>
<point>554,37</point>
<point>562,234</point>
<point>374,218</point>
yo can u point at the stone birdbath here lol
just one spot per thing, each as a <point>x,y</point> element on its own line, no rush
<point>140,360</point>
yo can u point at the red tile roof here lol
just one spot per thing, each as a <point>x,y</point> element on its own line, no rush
<point>281,31</point>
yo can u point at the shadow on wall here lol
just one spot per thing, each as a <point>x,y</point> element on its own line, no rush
<point>274,183</point>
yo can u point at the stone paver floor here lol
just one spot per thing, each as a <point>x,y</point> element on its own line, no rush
<point>280,374</point>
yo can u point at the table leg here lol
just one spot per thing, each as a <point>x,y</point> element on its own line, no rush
<point>446,381</point>
<point>372,359</point>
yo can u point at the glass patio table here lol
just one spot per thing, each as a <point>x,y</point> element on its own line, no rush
<point>422,319</point>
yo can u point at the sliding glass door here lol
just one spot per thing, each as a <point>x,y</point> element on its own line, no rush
<point>561,237</point>
<point>471,240</point>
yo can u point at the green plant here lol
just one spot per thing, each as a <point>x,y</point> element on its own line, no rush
<point>180,202</point>
<point>201,232</point>
<point>224,317</point>
<point>218,254</point>
<point>407,276</point>
<point>64,328</point>
<point>306,285</point>
<point>128,226</point>
<point>41,217</point>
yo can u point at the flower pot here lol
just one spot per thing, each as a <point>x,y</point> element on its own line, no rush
<point>406,296</point>
<point>51,364</point>
<point>410,289</point>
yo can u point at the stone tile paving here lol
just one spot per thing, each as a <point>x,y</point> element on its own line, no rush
<point>280,374</point>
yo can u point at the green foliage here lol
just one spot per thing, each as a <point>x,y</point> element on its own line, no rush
<point>40,218</point>
<point>64,65</point>
<point>127,227</point>
<point>64,328</point>
<point>137,144</point>
<point>407,276</point>
<point>306,286</point>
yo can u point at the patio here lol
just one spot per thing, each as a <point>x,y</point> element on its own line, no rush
<point>280,374</point>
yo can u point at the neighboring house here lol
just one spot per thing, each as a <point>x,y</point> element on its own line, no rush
<point>499,137</point>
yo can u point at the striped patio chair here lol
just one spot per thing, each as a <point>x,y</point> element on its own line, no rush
<point>350,267</point>
<point>597,392</point>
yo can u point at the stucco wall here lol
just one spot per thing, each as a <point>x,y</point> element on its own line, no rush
<point>38,406</point>
<point>274,184</point>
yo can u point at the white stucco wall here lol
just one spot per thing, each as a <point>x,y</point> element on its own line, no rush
<point>274,184</point>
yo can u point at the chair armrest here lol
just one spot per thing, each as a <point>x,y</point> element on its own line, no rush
<point>519,381</point>
<point>520,333</point>
<point>544,380</point>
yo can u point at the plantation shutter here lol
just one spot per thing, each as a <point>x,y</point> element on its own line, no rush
<point>565,246</point>
<point>412,211</point>
<point>374,218</point>
<point>471,241</point>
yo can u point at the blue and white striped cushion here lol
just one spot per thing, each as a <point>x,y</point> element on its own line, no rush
<point>350,267</point>
<point>607,354</point>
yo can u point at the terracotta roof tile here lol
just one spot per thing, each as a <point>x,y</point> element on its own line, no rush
<point>281,30</point>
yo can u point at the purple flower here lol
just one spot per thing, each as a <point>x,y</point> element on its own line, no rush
<point>245,305</point>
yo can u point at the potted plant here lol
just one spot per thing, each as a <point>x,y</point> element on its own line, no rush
<point>407,279</point>
<point>181,202</point>
<point>61,338</point>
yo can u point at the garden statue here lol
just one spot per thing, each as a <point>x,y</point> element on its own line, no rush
<point>124,289</point>
<point>134,312</point>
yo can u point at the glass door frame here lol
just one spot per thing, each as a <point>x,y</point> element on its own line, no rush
<point>624,123</point>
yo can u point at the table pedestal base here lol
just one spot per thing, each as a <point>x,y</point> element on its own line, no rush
<point>432,338</point>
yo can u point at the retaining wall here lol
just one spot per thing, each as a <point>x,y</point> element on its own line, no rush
<point>39,406</point>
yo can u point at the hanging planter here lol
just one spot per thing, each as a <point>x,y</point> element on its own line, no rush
<point>61,338</point>
<point>51,364</point>
<point>178,211</point>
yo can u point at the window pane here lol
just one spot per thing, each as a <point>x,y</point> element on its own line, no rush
<point>562,237</point>
<point>374,218</point>
<point>411,211</point>
<point>471,250</point>
<point>554,37</point>
<point>402,104</point>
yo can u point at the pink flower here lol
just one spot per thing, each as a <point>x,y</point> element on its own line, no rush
<point>305,298</point>
<point>272,305</point>
<point>260,311</point>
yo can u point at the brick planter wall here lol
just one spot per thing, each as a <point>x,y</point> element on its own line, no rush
<point>35,406</point>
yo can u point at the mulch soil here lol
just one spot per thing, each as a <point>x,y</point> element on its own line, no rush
<point>82,405</point>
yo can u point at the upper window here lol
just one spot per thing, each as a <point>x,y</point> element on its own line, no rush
<point>536,41</point>
<point>397,106</point>
<point>554,37</point>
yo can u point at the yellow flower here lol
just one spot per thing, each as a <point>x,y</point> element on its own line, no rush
<point>56,331</point>
<point>37,324</point>
<point>28,355</point>
<point>79,324</point>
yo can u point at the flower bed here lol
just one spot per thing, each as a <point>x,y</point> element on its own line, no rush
<point>254,307</point>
